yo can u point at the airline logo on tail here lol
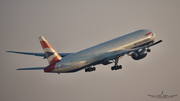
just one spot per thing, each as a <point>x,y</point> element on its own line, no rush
<point>51,54</point>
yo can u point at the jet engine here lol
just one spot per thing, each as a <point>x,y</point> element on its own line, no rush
<point>139,55</point>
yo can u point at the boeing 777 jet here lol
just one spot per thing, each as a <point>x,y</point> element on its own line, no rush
<point>135,44</point>
<point>162,96</point>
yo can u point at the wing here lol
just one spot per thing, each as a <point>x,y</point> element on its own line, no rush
<point>38,54</point>
<point>122,52</point>
<point>151,95</point>
<point>171,96</point>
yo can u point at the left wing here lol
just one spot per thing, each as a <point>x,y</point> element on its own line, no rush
<point>38,54</point>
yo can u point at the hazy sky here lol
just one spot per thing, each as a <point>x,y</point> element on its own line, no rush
<point>73,25</point>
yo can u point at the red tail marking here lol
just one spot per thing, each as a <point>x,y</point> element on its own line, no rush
<point>49,68</point>
<point>45,45</point>
<point>55,60</point>
<point>148,33</point>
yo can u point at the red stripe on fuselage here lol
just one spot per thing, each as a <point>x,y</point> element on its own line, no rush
<point>45,45</point>
<point>148,33</point>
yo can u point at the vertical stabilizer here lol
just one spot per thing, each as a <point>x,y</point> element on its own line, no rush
<point>50,53</point>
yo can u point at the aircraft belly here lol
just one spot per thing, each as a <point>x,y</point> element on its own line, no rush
<point>76,66</point>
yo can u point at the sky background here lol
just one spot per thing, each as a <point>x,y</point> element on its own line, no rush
<point>74,25</point>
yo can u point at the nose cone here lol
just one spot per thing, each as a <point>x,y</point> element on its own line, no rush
<point>153,35</point>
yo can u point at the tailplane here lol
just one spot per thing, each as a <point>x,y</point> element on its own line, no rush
<point>50,53</point>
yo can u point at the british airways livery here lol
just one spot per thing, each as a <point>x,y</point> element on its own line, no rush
<point>135,44</point>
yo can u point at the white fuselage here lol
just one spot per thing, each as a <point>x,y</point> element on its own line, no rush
<point>87,57</point>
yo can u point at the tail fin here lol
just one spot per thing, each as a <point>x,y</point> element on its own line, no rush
<point>50,53</point>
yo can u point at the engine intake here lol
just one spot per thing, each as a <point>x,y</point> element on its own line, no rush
<point>139,55</point>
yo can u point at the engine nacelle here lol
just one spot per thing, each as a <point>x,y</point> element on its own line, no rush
<point>139,55</point>
<point>106,62</point>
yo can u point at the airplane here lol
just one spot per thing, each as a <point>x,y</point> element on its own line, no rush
<point>162,96</point>
<point>135,44</point>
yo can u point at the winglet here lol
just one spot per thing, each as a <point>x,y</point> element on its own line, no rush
<point>50,53</point>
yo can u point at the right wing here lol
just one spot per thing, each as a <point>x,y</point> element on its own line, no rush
<point>38,54</point>
<point>120,53</point>
<point>171,96</point>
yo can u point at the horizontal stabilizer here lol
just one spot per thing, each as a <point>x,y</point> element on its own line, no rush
<point>34,68</point>
<point>28,53</point>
